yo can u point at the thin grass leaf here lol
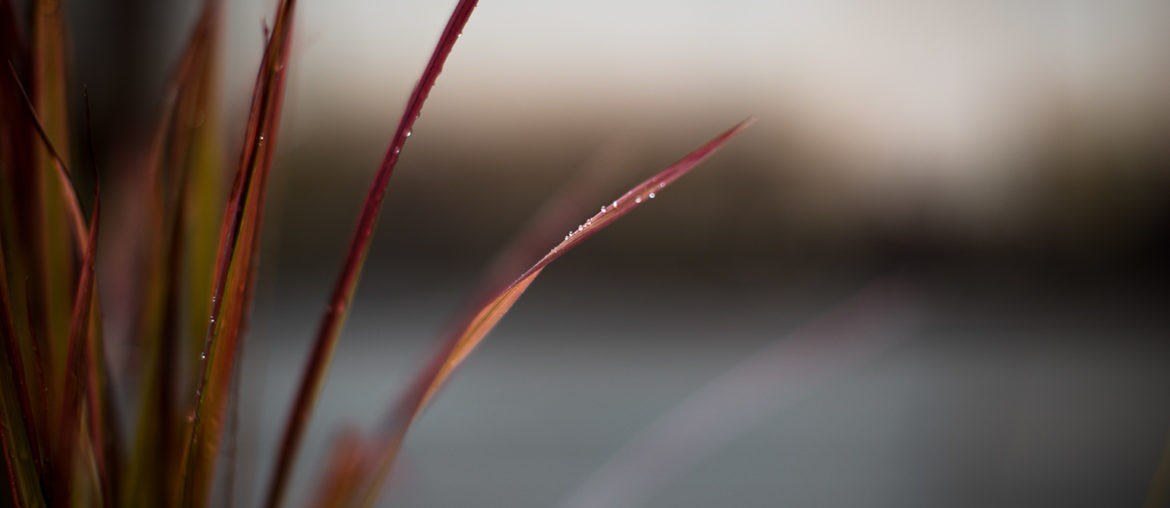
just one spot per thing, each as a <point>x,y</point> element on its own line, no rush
<point>235,268</point>
<point>56,269</point>
<point>105,443</point>
<point>476,327</point>
<point>21,446</point>
<point>68,193</point>
<point>330,328</point>
<point>18,235</point>
<point>344,469</point>
<point>562,207</point>
<point>75,390</point>
<point>65,196</point>
<point>180,139</point>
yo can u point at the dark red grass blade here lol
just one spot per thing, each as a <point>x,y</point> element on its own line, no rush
<point>236,265</point>
<point>24,466</point>
<point>103,425</point>
<point>77,366</point>
<point>476,326</point>
<point>72,203</point>
<point>330,328</point>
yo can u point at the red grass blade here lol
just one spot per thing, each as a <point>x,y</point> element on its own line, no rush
<point>236,265</point>
<point>68,192</point>
<point>77,365</point>
<point>330,328</point>
<point>21,445</point>
<point>103,425</point>
<point>561,208</point>
<point>55,262</point>
<point>461,343</point>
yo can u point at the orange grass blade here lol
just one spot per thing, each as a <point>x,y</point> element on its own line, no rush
<point>236,266</point>
<point>474,329</point>
<point>330,328</point>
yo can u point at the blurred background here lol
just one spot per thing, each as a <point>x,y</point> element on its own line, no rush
<point>1003,164</point>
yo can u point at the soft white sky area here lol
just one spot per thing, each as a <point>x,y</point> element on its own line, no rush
<point>959,85</point>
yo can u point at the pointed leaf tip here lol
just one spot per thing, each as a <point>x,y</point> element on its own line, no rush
<point>460,344</point>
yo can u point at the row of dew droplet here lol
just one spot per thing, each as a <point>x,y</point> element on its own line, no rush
<point>613,206</point>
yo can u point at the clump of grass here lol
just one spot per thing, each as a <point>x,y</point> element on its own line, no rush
<point>61,439</point>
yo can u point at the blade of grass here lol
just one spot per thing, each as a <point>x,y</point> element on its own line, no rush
<point>77,365</point>
<point>235,266</point>
<point>569,202</point>
<point>57,270</point>
<point>72,204</point>
<point>330,328</point>
<point>24,381</point>
<point>188,96</point>
<point>22,456</point>
<point>571,199</point>
<point>103,427</point>
<point>72,208</point>
<point>476,327</point>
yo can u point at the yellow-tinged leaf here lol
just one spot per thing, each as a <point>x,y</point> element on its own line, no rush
<point>235,268</point>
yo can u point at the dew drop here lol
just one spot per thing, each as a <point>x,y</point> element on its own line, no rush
<point>202,356</point>
<point>651,195</point>
<point>638,199</point>
<point>408,133</point>
<point>602,208</point>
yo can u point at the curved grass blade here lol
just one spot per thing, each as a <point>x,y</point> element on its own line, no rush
<point>562,207</point>
<point>235,267</point>
<point>64,176</point>
<point>476,327</point>
<point>330,328</point>
<point>77,364</point>
<point>344,469</point>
